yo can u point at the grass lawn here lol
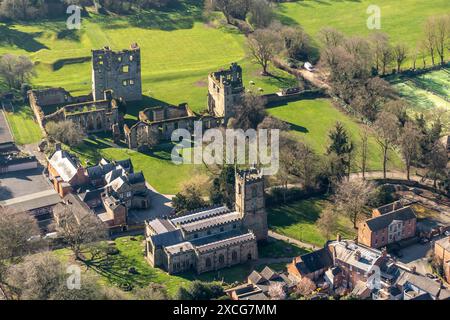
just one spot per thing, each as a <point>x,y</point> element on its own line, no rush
<point>114,269</point>
<point>23,126</point>
<point>402,20</point>
<point>178,51</point>
<point>157,166</point>
<point>279,249</point>
<point>425,92</point>
<point>311,120</point>
<point>297,220</point>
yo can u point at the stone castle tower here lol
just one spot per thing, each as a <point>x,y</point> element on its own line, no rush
<point>225,89</point>
<point>119,71</point>
<point>250,201</point>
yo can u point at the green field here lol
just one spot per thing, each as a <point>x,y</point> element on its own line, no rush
<point>312,120</point>
<point>178,51</point>
<point>402,20</point>
<point>297,220</point>
<point>23,126</point>
<point>426,92</point>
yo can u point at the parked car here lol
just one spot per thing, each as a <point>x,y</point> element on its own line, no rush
<point>424,241</point>
<point>447,233</point>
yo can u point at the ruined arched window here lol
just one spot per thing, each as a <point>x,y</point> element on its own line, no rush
<point>208,262</point>
<point>221,259</point>
<point>234,256</point>
<point>99,123</point>
<point>249,256</point>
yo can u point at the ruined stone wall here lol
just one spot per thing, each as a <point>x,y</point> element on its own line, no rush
<point>119,71</point>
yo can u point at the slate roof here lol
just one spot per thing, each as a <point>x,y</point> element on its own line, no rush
<point>211,222</point>
<point>161,225</point>
<point>314,261</point>
<point>134,178</point>
<point>383,221</point>
<point>269,274</point>
<point>255,277</point>
<point>200,214</point>
<point>227,242</point>
<point>167,239</point>
<point>90,195</point>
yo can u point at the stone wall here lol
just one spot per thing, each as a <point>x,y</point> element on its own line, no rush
<point>119,71</point>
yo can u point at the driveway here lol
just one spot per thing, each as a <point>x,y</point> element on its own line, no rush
<point>416,256</point>
<point>161,206</point>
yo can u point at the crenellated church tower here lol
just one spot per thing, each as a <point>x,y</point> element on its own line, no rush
<point>250,201</point>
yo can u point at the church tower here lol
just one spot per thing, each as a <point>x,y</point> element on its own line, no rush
<point>250,201</point>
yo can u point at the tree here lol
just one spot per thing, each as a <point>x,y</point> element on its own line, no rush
<point>223,187</point>
<point>296,42</point>
<point>379,41</point>
<point>305,287</point>
<point>352,197</point>
<point>233,8</point>
<point>16,230</point>
<point>276,291</point>
<point>67,132</point>
<point>327,222</point>
<point>190,198</point>
<point>37,277</point>
<point>400,52</point>
<point>260,13</point>
<point>437,162</point>
<point>341,146</point>
<point>386,127</point>
<point>16,70</point>
<point>264,44</point>
<point>153,291</point>
<point>330,37</point>
<point>410,145</point>
<point>364,151</point>
<point>78,230</point>
<point>430,37</point>
<point>386,57</point>
<point>441,31</point>
<point>198,290</point>
<point>250,113</point>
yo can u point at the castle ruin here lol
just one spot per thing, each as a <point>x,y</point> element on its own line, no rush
<point>119,71</point>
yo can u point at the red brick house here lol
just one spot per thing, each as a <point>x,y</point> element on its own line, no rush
<point>388,227</point>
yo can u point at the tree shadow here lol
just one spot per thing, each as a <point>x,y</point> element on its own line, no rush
<point>180,15</point>
<point>22,40</point>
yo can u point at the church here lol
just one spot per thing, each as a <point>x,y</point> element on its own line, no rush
<point>212,238</point>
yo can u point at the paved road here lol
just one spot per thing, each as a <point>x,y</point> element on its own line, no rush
<point>294,241</point>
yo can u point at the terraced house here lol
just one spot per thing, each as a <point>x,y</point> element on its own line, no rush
<point>213,238</point>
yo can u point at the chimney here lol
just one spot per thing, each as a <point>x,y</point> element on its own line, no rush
<point>58,146</point>
<point>338,238</point>
<point>357,255</point>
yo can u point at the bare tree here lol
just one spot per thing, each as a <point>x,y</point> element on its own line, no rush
<point>276,291</point>
<point>441,35</point>
<point>17,231</point>
<point>386,57</point>
<point>327,222</point>
<point>330,37</point>
<point>16,70</point>
<point>386,127</point>
<point>263,45</point>
<point>364,151</point>
<point>67,132</point>
<point>400,54</point>
<point>305,287</point>
<point>251,112</point>
<point>352,198</point>
<point>430,37</point>
<point>379,41</point>
<point>437,162</point>
<point>410,145</point>
<point>153,291</point>
<point>36,278</point>
<point>78,230</point>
